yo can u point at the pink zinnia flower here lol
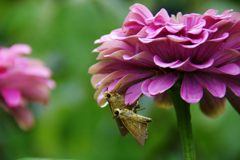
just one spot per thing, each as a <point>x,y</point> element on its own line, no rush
<point>151,53</point>
<point>22,80</point>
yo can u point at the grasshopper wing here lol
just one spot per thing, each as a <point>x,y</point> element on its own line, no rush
<point>123,130</point>
<point>137,125</point>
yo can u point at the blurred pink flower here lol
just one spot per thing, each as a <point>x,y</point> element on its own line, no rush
<point>22,80</point>
<point>149,54</point>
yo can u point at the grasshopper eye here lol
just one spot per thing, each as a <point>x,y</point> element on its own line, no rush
<point>116,112</point>
<point>108,95</point>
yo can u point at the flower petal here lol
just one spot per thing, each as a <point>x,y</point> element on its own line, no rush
<point>212,106</point>
<point>216,87</point>
<point>98,67</point>
<point>187,65</point>
<point>174,27</point>
<point>111,77</point>
<point>203,65</point>
<point>191,90</point>
<point>20,49</point>
<point>141,10</point>
<point>231,69</point>
<point>99,95</point>
<point>144,87</point>
<point>229,55</point>
<point>142,58</point>
<point>133,93</point>
<point>220,38</point>
<point>121,83</point>
<point>234,100</point>
<point>112,85</point>
<point>177,39</point>
<point>23,117</point>
<point>97,78</point>
<point>163,101</point>
<point>157,60</point>
<point>162,83</point>
<point>12,97</point>
<point>234,85</point>
<point>116,44</point>
<point>114,55</point>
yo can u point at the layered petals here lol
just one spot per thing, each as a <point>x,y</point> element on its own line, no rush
<point>150,54</point>
<point>22,80</point>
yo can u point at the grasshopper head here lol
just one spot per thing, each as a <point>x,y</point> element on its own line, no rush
<point>112,96</point>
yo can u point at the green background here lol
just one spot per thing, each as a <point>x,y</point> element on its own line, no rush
<point>72,126</point>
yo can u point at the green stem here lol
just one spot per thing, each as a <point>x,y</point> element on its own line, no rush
<point>184,124</point>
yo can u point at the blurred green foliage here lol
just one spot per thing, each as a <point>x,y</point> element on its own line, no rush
<point>62,32</point>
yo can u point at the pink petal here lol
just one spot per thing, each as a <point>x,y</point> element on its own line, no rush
<point>234,100</point>
<point>99,95</point>
<point>203,65</point>
<point>221,38</point>
<point>191,90</point>
<point>94,69</point>
<point>174,28</point>
<point>112,85</point>
<point>113,44</point>
<point>141,10</point>
<point>157,60</point>
<point>12,97</point>
<point>97,78</point>
<point>197,42</point>
<point>195,30</point>
<point>228,56</point>
<point>133,75</point>
<point>102,39</point>
<point>142,58</point>
<point>148,40</point>
<point>37,93</point>
<point>133,93</point>
<point>38,71</point>
<point>103,67</point>
<point>23,117</point>
<point>21,49</point>
<point>162,83</point>
<point>234,85</point>
<point>216,87</point>
<point>177,39</point>
<point>144,87</point>
<point>162,16</point>
<point>187,65</point>
<point>121,83</point>
<point>231,69</point>
<point>114,55</point>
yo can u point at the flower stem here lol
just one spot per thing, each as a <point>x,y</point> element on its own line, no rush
<point>184,124</point>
